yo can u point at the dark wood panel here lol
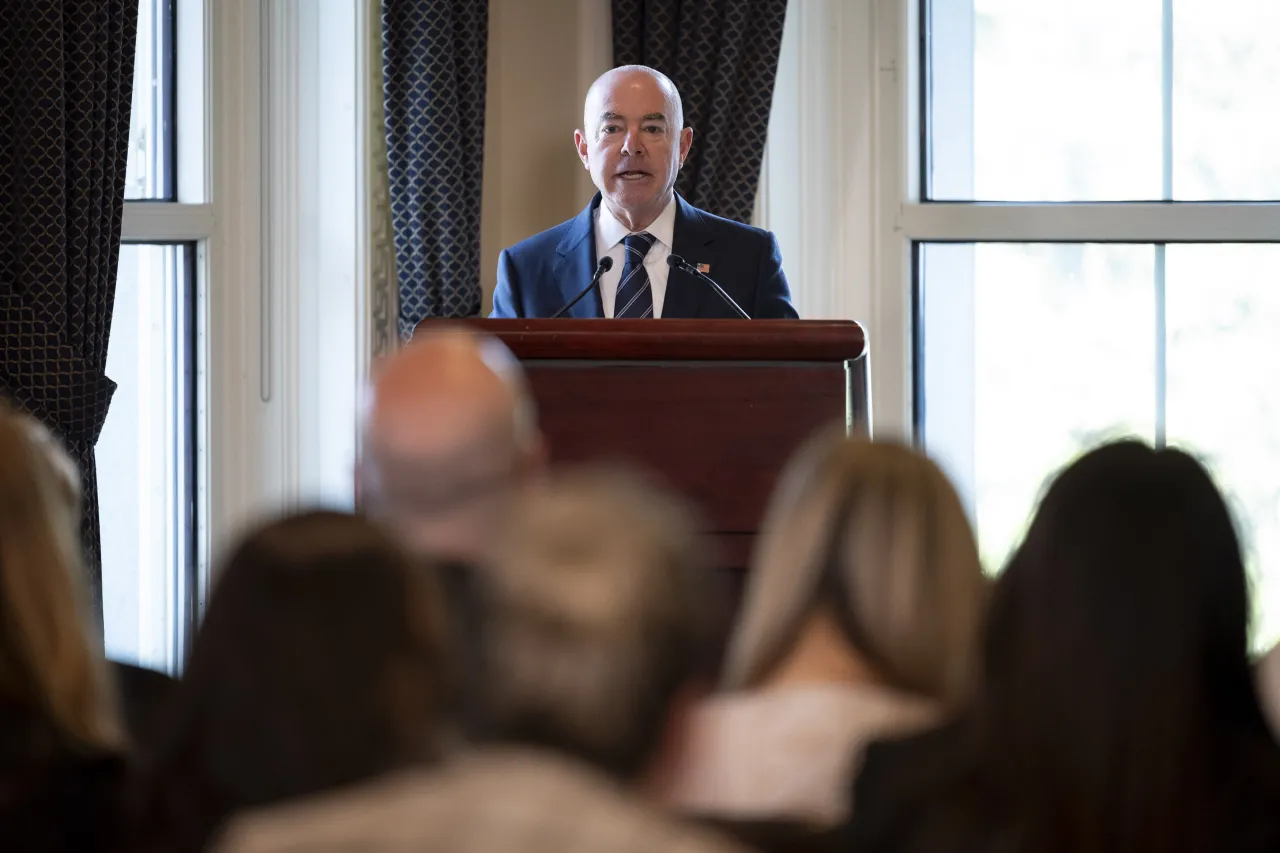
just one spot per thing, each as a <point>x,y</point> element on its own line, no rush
<point>720,433</point>
<point>714,407</point>
<point>678,340</point>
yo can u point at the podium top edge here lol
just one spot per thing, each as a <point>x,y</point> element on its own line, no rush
<point>673,340</point>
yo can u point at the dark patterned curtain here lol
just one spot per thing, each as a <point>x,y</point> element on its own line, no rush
<point>66,79</point>
<point>723,57</point>
<point>434,54</point>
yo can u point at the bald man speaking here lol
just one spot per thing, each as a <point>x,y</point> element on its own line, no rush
<point>653,253</point>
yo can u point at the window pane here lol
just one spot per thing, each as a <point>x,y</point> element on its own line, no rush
<point>1224,393</point>
<point>150,169</point>
<point>1058,354</point>
<point>1061,107</point>
<point>1226,94</point>
<point>1042,101</point>
<point>143,456</point>
<point>1033,353</point>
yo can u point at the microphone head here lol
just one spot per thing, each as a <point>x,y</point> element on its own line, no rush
<point>677,262</point>
<point>606,264</point>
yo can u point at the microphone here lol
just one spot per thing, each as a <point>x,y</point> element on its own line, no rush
<point>606,264</point>
<point>681,264</point>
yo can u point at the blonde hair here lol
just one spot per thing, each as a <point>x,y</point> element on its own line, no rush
<point>49,662</point>
<point>872,534</point>
<point>595,617</point>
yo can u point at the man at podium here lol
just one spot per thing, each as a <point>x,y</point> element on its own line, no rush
<point>639,250</point>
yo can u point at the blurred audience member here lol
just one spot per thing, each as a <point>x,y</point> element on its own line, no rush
<point>449,430</point>
<point>142,692</point>
<point>60,733</point>
<point>318,665</point>
<point>1269,687</point>
<point>860,620</point>
<point>595,645</point>
<point>1117,709</point>
<point>450,434</point>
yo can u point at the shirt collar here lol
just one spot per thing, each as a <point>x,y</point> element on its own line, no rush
<point>610,232</point>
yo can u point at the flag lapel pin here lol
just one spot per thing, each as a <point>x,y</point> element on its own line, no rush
<point>704,268</point>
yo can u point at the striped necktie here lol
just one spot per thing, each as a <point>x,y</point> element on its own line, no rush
<point>635,298</point>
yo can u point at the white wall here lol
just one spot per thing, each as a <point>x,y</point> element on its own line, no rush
<point>834,176</point>
<point>542,58</point>
<point>816,185</point>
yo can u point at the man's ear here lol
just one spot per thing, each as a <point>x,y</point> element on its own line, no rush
<point>686,142</point>
<point>580,143</point>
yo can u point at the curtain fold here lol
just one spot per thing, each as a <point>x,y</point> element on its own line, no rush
<point>434,60</point>
<point>383,289</point>
<point>66,82</point>
<point>723,57</point>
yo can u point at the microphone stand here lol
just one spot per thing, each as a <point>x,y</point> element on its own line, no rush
<point>606,264</point>
<point>684,266</point>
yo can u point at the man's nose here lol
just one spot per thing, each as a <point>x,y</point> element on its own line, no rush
<point>631,144</point>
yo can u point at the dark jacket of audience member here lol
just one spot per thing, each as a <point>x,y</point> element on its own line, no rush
<point>60,734</point>
<point>318,665</point>
<point>1117,710</point>
<point>56,794</point>
<point>143,695</point>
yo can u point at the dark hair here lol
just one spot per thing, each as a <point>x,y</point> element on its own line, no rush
<point>319,664</point>
<point>1117,706</point>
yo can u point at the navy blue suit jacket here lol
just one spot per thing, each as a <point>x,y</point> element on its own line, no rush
<point>539,275</point>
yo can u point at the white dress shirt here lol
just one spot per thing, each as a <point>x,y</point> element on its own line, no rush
<point>609,236</point>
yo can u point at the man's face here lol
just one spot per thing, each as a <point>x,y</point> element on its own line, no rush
<point>632,146</point>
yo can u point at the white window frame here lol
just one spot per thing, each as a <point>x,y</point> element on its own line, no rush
<point>302,293</point>
<point>904,219</point>
<point>282,190</point>
<point>190,219</point>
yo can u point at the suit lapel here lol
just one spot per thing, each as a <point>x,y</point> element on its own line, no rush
<point>576,261</point>
<point>693,242</point>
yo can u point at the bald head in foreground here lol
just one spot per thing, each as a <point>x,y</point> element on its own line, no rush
<point>449,433</point>
<point>634,142</point>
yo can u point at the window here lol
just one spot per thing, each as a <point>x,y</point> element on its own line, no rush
<point>1091,251</point>
<point>150,174</point>
<point>146,454</point>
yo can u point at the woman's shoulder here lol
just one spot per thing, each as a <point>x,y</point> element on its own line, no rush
<point>919,792</point>
<point>786,753</point>
<point>818,724</point>
<point>1249,798</point>
<point>839,708</point>
<point>897,766</point>
<point>1268,674</point>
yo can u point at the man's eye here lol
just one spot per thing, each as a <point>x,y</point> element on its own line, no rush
<point>654,128</point>
<point>610,128</point>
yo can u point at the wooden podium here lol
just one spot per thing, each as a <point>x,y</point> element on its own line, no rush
<point>714,407</point>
